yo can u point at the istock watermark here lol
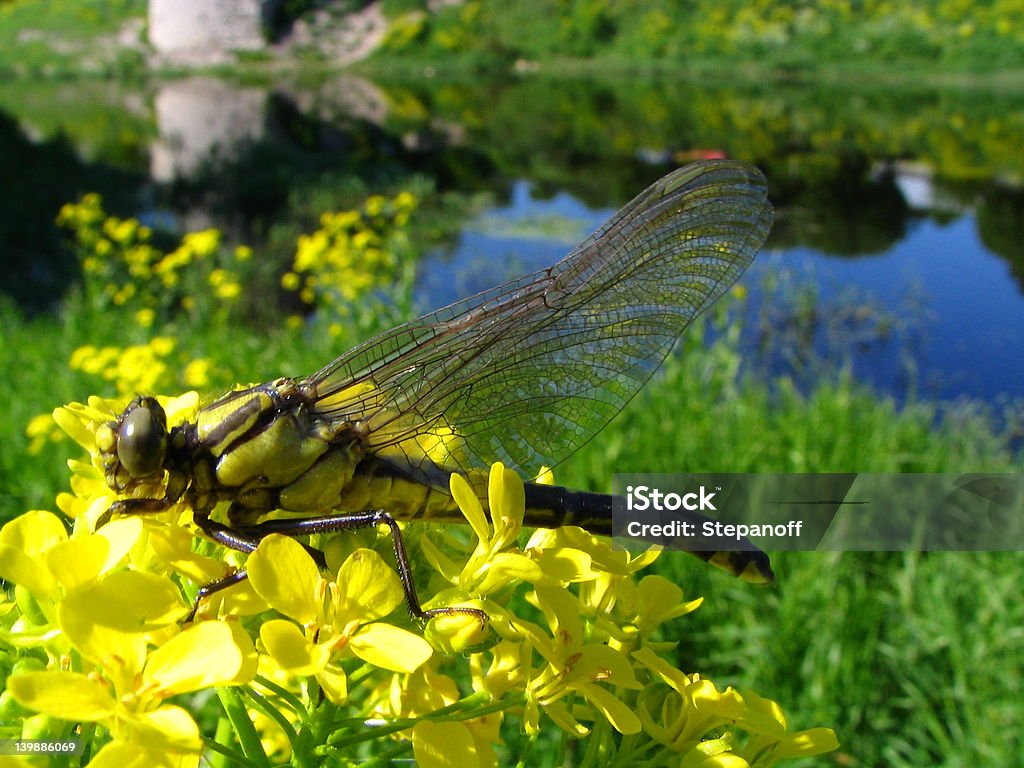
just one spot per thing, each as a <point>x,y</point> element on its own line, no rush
<point>642,497</point>
<point>827,511</point>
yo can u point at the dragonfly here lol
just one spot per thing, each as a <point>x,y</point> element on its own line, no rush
<point>524,373</point>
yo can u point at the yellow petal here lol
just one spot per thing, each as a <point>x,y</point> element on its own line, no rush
<point>695,759</point>
<point>562,610</point>
<point>438,560</point>
<point>471,507</point>
<point>559,713</point>
<point>369,588</point>
<point>122,535</point>
<point>284,574</point>
<point>34,532</point>
<point>167,729</point>
<point>615,711</point>
<point>763,716</point>
<point>291,649</point>
<point>120,754</point>
<point>64,695</point>
<point>21,569</point>
<point>727,705</point>
<point>600,662</point>
<point>250,658</point>
<point>333,683</point>
<point>669,674</point>
<point>78,423</point>
<point>507,499</point>
<point>509,566</point>
<point>130,601</point>
<point>390,647</point>
<point>180,408</point>
<point>121,654</point>
<point>172,544</point>
<point>660,601</point>
<point>78,561</point>
<point>444,745</point>
<point>813,741</point>
<point>203,656</point>
<point>564,564</point>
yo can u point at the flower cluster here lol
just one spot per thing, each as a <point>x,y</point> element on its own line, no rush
<point>326,664</point>
<point>132,369</point>
<point>353,253</point>
<point>122,267</point>
<point>667,30</point>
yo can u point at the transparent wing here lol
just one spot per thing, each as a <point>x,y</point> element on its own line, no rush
<point>527,372</point>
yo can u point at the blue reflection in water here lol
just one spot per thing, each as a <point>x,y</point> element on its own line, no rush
<point>937,314</point>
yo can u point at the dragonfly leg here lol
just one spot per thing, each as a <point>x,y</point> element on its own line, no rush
<point>353,522</point>
<point>245,538</point>
<point>133,507</point>
<point>206,590</point>
<point>240,541</point>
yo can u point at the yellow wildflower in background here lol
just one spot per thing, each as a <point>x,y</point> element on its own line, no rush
<point>353,253</point>
<point>134,369</point>
<point>122,267</point>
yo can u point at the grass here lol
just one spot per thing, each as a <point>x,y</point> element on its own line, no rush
<point>68,37</point>
<point>914,658</point>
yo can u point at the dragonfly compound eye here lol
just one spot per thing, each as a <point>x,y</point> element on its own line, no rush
<point>142,437</point>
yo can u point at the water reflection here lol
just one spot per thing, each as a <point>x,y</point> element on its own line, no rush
<point>917,191</point>
<point>203,121</point>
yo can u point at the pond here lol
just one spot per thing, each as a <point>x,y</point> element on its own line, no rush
<point>899,240</point>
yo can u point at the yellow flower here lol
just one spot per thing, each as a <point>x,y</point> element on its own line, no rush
<point>127,693</point>
<point>374,205</point>
<point>573,638</point>
<point>197,373</point>
<point>573,665</point>
<point>145,317</point>
<point>202,244</point>
<point>771,740</point>
<point>77,594</point>
<point>680,717</point>
<point>333,620</point>
<point>41,430</point>
<point>224,285</point>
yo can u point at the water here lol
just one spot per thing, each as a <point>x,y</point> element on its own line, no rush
<point>898,247</point>
<point>937,313</point>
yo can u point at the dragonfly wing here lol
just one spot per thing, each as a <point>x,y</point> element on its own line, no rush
<point>527,372</point>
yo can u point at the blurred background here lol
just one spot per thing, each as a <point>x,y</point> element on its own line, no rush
<point>199,194</point>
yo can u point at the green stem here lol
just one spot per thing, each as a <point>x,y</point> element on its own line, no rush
<point>294,702</point>
<point>385,757</point>
<point>221,736</point>
<point>452,712</point>
<point>563,748</point>
<point>599,732</point>
<point>523,760</point>
<point>245,731</point>
<point>469,701</point>
<point>223,752</point>
<point>272,712</point>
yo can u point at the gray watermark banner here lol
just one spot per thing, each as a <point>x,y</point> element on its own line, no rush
<point>823,512</point>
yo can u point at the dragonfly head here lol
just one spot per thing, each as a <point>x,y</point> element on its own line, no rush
<point>134,447</point>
